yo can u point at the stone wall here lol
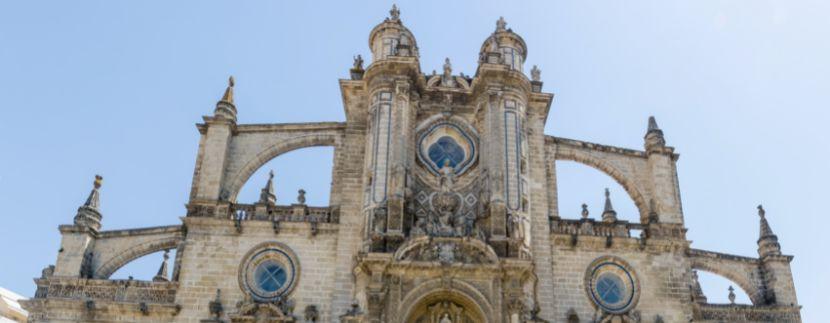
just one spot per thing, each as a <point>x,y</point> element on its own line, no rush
<point>214,254</point>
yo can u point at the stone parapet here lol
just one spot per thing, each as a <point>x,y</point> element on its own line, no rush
<point>132,291</point>
<point>746,313</point>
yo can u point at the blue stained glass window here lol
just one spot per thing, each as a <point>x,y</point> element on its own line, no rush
<point>446,150</point>
<point>610,289</point>
<point>270,276</point>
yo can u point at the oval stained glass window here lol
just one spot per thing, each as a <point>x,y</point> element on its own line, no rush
<point>445,151</point>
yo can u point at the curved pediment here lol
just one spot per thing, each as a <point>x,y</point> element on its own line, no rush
<point>446,250</point>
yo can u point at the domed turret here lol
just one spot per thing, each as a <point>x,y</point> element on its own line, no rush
<point>504,47</point>
<point>391,38</point>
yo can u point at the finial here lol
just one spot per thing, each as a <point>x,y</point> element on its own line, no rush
<point>93,200</point>
<point>608,213</point>
<point>267,195</point>
<point>766,230</point>
<point>394,13</point>
<point>301,196</point>
<point>731,295</point>
<point>535,74</point>
<point>215,306</point>
<point>501,25</point>
<point>584,211</point>
<point>652,124</point>
<point>654,140</point>
<point>162,273</point>
<point>228,96</point>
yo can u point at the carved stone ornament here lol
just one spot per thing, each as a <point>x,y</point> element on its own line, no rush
<point>446,251</point>
<point>251,311</point>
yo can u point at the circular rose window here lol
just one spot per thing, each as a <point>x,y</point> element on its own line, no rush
<point>612,286</point>
<point>269,271</point>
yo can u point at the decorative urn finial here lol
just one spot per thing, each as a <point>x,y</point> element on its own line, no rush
<point>89,214</point>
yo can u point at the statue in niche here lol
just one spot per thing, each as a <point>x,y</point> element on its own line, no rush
<point>446,318</point>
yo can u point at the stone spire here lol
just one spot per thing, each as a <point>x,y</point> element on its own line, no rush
<point>267,195</point>
<point>608,213</point>
<point>697,291</point>
<point>654,136</point>
<point>767,241</point>
<point>161,276</point>
<point>89,214</point>
<point>225,108</point>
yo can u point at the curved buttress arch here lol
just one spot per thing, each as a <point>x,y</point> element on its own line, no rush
<point>237,180</point>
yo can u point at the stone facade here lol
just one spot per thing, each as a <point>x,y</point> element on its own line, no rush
<point>443,208</point>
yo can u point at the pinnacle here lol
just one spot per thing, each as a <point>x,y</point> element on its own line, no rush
<point>652,124</point>
<point>766,230</point>
<point>608,213</point>
<point>228,96</point>
<point>93,200</point>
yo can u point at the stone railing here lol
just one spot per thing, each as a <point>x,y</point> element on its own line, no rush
<point>747,313</point>
<point>131,291</point>
<point>287,213</point>
<point>595,228</point>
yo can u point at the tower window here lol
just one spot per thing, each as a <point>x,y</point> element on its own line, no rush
<point>390,47</point>
<point>512,58</point>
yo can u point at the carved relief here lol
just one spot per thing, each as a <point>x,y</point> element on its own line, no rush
<point>449,211</point>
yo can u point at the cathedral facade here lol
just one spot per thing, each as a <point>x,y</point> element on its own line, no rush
<point>443,208</point>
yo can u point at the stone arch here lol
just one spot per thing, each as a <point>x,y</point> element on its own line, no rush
<point>241,176</point>
<point>111,265</point>
<point>435,290</point>
<point>629,184</point>
<point>739,277</point>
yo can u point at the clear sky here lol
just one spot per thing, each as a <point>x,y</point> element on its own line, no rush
<point>739,87</point>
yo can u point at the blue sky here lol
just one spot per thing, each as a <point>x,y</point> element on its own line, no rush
<point>739,87</point>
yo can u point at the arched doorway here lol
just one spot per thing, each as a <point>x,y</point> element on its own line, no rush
<point>446,307</point>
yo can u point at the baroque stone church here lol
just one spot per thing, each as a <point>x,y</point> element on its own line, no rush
<point>443,208</point>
